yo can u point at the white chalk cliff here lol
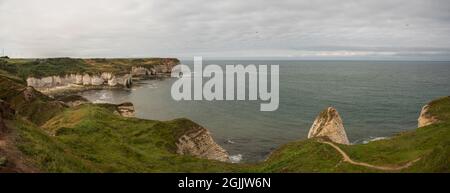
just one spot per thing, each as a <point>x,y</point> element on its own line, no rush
<point>329,124</point>
<point>105,78</point>
<point>101,79</point>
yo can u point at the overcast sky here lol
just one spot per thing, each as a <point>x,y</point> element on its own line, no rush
<point>323,29</point>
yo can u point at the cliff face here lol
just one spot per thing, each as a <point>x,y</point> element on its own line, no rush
<point>329,124</point>
<point>143,71</point>
<point>425,118</point>
<point>106,79</point>
<point>113,73</point>
<point>198,142</point>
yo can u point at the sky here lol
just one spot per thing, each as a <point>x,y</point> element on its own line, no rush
<point>293,29</point>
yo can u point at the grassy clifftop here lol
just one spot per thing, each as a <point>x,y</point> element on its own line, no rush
<point>429,145</point>
<point>37,68</point>
<point>440,109</point>
<point>91,138</point>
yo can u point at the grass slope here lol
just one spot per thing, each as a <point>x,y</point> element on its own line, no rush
<point>38,108</point>
<point>90,138</point>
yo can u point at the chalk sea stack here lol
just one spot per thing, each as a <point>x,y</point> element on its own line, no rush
<point>329,124</point>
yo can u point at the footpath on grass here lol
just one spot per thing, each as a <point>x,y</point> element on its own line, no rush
<point>350,161</point>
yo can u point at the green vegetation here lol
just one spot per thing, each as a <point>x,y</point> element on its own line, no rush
<point>2,161</point>
<point>43,67</point>
<point>70,98</point>
<point>29,103</point>
<point>91,138</point>
<point>24,68</point>
<point>440,109</point>
<point>431,144</point>
<point>307,156</point>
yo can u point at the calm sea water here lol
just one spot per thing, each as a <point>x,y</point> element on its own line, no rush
<point>374,99</point>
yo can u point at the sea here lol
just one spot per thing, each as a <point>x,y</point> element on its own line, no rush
<point>375,99</point>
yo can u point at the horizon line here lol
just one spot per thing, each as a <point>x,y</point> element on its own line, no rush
<point>247,58</point>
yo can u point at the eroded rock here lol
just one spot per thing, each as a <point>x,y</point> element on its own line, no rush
<point>126,109</point>
<point>29,93</point>
<point>199,142</point>
<point>141,71</point>
<point>329,124</point>
<point>425,118</point>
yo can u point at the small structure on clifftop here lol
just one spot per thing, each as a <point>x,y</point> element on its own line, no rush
<point>329,124</point>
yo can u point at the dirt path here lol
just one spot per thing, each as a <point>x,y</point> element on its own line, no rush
<point>385,168</point>
<point>15,160</point>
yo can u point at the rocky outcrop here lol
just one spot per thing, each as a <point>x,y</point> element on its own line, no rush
<point>141,71</point>
<point>103,79</point>
<point>29,94</point>
<point>164,67</point>
<point>199,142</point>
<point>126,109</point>
<point>329,124</point>
<point>425,117</point>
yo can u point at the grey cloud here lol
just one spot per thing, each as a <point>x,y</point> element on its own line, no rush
<point>400,29</point>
